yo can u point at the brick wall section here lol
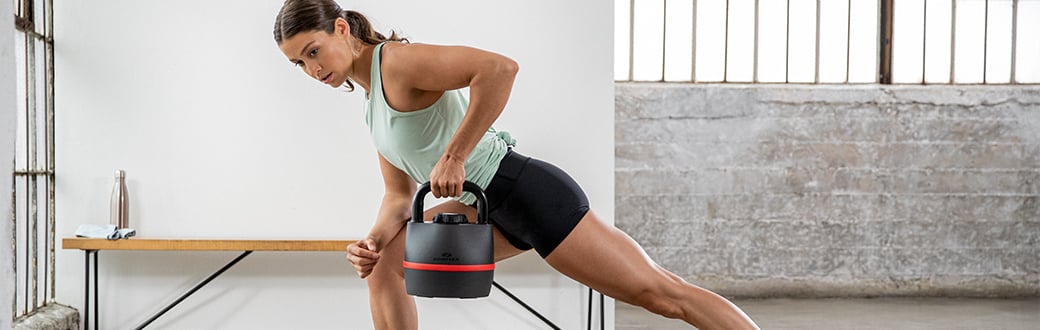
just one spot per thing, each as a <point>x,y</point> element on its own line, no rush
<point>816,191</point>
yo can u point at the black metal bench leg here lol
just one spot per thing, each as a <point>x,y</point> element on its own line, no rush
<point>588,321</point>
<point>196,288</point>
<point>86,289</point>
<point>521,302</point>
<point>87,265</point>
<point>97,319</point>
<point>601,325</point>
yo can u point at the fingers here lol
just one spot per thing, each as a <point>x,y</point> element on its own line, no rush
<point>363,249</point>
<point>446,188</point>
<point>447,177</point>
<point>370,245</point>
<point>363,256</point>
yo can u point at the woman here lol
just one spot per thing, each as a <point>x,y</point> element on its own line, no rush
<point>425,130</point>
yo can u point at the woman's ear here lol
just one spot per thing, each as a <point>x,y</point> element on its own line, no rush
<point>342,27</point>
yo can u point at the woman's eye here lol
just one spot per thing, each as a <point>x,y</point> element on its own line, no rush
<point>314,52</point>
<point>298,64</point>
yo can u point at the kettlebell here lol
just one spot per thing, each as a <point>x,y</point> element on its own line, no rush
<point>449,257</point>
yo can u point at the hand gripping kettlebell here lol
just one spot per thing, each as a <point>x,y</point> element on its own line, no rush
<point>449,257</point>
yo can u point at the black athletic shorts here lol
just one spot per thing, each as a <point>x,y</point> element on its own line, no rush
<point>534,203</point>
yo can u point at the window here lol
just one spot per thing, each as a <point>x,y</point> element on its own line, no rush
<point>34,157</point>
<point>816,41</point>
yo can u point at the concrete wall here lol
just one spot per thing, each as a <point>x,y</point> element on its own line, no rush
<point>7,133</point>
<point>772,190</point>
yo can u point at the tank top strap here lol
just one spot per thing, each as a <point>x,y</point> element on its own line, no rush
<point>376,77</point>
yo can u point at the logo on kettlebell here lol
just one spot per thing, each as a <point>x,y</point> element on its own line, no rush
<point>446,256</point>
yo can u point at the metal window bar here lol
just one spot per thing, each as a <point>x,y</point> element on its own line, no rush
<point>631,39</point>
<point>754,71</point>
<point>787,45</point>
<point>848,39</point>
<point>664,38</point>
<point>1014,38</point>
<point>693,63</point>
<point>885,15</point>
<point>816,79</point>
<point>885,37</point>
<point>924,44</point>
<point>985,42</point>
<point>33,18</point>
<point>953,40</point>
<point>725,48</point>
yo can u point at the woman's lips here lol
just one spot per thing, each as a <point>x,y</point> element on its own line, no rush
<point>327,79</point>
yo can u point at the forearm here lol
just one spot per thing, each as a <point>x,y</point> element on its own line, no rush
<point>489,92</point>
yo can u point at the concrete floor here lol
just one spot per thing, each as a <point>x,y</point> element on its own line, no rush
<point>879,313</point>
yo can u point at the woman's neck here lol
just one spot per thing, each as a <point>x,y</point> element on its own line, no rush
<point>362,67</point>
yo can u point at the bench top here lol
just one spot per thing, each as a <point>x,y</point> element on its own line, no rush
<point>191,244</point>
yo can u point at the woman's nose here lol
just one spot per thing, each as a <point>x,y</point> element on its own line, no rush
<point>311,69</point>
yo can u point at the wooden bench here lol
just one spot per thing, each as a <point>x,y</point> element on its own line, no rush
<point>185,244</point>
<point>93,245</point>
<point>247,246</point>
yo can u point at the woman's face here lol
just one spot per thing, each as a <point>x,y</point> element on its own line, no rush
<point>324,56</point>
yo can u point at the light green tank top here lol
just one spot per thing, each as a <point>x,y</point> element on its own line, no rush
<point>414,141</point>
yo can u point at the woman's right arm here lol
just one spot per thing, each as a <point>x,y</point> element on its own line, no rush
<point>394,213</point>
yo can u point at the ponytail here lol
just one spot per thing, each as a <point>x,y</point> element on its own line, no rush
<point>362,29</point>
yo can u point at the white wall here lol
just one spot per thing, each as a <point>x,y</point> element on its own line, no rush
<point>7,138</point>
<point>221,137</point>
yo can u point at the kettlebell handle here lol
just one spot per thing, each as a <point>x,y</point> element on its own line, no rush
<point>473,188</point>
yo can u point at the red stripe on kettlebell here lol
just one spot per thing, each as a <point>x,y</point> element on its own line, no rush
<point>448,268</point>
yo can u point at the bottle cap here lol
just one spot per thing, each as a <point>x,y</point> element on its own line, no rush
<point>120,173</point>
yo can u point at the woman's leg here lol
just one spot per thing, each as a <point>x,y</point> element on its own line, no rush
<point>392,307</point>
<point>624,271</point>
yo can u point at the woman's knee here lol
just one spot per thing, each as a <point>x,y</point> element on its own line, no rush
<point>665,295</point>
<point>659,302</point>
<point>386,277</point>
<point>389,270</point>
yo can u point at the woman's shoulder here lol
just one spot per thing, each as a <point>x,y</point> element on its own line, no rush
<point>399,57</point>
<point>407,70</point>
<point>396,51</point>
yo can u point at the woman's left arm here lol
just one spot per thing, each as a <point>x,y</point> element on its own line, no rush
<point>489,77</point>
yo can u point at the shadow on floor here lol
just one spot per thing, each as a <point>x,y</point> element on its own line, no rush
<point>878,313</point>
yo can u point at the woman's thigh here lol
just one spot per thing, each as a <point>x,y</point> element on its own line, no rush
<point>609,261</point>
<point>503,249</point>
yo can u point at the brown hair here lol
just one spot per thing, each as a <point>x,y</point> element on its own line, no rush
<point>297,16</point>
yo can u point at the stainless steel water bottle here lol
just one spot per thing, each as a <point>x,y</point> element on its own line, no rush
<point>120,202</point>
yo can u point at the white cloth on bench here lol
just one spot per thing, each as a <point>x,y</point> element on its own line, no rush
<point>104,231</point>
